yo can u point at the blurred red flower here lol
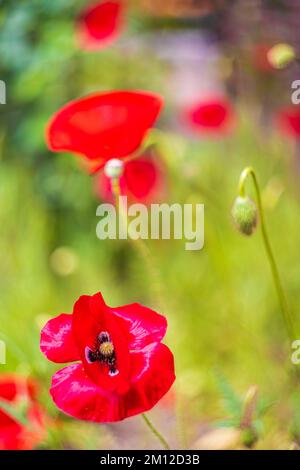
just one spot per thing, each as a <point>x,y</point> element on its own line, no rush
<point>142,180</point>
<point>288,120</point>
<point>260,58</point>
<point>20,394</point>
<point>104,125</point>
<point>100,24</point>
<point>123,370</point>
<point>211,116</point>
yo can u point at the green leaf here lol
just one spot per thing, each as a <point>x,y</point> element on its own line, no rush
<point>227,423</point>
<point>13,412</point>
<point>232,402</point>
<point>263,407</point>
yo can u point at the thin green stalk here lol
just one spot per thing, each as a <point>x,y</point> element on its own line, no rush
<point>142,248</point>
<point>13,411</point>
<point>146,254</point>
<point>249,171</point>
<point>156,432</point>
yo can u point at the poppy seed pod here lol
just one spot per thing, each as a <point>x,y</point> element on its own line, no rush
<point>281,55</point>
<point>244,213</point>
<point>114,168</point>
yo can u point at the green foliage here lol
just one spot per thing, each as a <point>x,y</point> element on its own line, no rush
<point>220,302</point>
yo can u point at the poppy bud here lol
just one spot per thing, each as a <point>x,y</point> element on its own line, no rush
<point>249,437</point>
<point>114,168</point>
<point>244,214</point>
<point>281,55</point>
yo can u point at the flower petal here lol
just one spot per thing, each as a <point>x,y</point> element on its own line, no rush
<point>143,180</point>
<point>76,395</point>
<point>91,316</point>
<point>104,125</point>
<point>213,116</point>
<point>145,325</point>
<point>14,435</point>
<point>100,24</point>
<point>10,435</point>
<point>57,341</point>
<point>288,119</point>
<point>153,375</point>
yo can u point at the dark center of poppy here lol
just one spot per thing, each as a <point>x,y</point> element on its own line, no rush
<point>103,352</point>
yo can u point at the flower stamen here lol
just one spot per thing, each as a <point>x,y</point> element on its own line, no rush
<point>104,353</point>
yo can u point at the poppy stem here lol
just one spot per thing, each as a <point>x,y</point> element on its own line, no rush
<point>155,432</point>
<point>142,248</point>
<point>249,171</point>
<point>115,186</point>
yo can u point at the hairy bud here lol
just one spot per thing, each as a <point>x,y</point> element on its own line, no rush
<point>249,437</point>
<point>114,168</point>
<point>281,55</point>
<point>244,213</point>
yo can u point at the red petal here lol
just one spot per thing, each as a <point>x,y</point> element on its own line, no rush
<point>100,24</point>
<point>12,384</point>
<point>13,435</point>
<point>152,376</point>
<point>76,395</point>
<point>211,116</point>
<point>141,177</point>
<point>57,341</point>
<point>260,58</point>
<point>145,325</point>
<point>10,436</point>
<point>142,181</point>
<point>289,121</point>
<point>91,316</point>
<point>104,125</point>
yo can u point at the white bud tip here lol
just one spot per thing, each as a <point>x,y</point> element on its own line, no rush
<point>114,168</point>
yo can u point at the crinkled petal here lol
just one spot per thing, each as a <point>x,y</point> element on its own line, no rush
<point>57,341</point>
<point>78,396</point>
<point>145,325</point>
<point>153,374</point>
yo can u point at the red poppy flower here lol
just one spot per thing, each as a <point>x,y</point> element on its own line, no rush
<point>213,116</point>
<point>142,180</point>
<point>260,58</point>
<point>288,120</point>
<point>100,24</point>
<point>123,368</point>
<point>20,393</point>
<point>104,125</point>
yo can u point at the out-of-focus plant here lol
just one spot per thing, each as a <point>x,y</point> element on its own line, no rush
<point>245,216</point>
<point>244,413</point>
<point>22,419</point>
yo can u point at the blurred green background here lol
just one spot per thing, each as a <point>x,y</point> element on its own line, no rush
<point>225,326</point>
